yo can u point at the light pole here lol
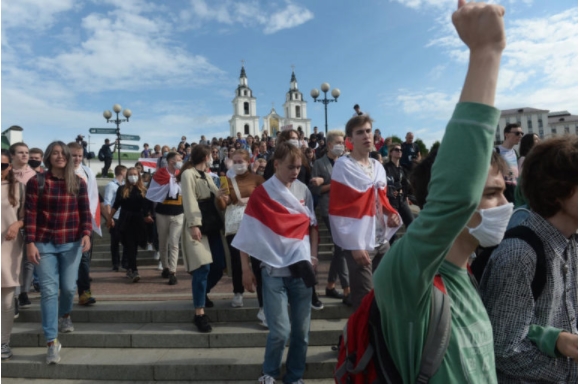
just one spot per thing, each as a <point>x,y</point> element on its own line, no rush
<point>325,88</point>
<point>108,114</point>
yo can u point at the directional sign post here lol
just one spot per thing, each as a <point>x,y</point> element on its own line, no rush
<point>129,147</point>
<point>103,131</point>
<point>130,137</point>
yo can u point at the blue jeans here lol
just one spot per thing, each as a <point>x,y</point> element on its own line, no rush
<point>286,325</point>
<point>207,276</point>
<point>58,269</point>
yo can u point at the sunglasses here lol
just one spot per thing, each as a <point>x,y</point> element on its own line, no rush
<point>5,166</point>
<point>518,133</point>
<point>396,150</point>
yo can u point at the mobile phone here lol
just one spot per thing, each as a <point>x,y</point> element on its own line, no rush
<point>224,184</point>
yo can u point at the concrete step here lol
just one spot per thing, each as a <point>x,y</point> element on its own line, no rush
<point>174,311</point>
<point>168,335</point>
<point>157,364</point>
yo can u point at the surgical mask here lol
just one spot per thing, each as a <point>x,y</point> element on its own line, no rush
<point>493,225</point>
<point>34,163</point>
<point>133,179</point>
<point>178,165</point>
<point>338,150</point>
<point>209,163</point>
<point>260,173</point>
<point>294,142</point>
<point>239,169</point>
<point>165,154</point>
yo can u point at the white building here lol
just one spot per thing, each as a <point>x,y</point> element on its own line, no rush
<point>272,123</point>
<point>295,108</point>
<point>532,120</point>
<point>244,119</point>
<point>561,123</point>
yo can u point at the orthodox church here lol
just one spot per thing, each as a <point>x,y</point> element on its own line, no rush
<point>246,121</point>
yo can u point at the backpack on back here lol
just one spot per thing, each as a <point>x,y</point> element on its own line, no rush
<point>363,356</point>
<point>530,237</point>
<point>101,155</point>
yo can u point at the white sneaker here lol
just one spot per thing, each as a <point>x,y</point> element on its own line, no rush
<point>149,247</point>
<point>157,255</point>
<point>65,325</point>
<point>53,354</point>
<point>237,300</point>
<point>261,317</point>
<point>265,379</point>
<point>160,266</point>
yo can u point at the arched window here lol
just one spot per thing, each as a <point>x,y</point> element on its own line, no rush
<point>246,108</point>
<point>298,112</point>
<point>246,129</point>
<point>244,93</point>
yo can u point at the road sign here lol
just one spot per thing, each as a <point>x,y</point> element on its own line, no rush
<point>130,137</point>
<point>129,147</point>
<point>103,131</point>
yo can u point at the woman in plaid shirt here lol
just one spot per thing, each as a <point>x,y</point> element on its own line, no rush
<point>58,226</point>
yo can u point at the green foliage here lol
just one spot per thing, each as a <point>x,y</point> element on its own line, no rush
<point>422,147</point>
<point>396,139</point>
<point>435,145</point>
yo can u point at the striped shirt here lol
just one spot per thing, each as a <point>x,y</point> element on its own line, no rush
<point>58,217</point>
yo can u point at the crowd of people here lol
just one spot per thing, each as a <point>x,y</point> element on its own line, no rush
<point>518,324</point>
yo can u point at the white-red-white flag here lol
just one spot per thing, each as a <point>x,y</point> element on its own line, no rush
<point>352,208</point>
<point>275,228</point>
<point>149,164</point>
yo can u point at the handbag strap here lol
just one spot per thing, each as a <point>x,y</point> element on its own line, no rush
<point>237,193</point>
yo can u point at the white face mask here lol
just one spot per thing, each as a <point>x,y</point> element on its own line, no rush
<point>338,150</point>
<point>209,163</point>
<point>294,142</point>
<point>133,179</point>
<point>178,165</point>
<point>239,169</point>
<point>493,225</point>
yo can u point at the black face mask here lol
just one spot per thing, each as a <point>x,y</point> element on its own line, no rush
<point>34,163</point>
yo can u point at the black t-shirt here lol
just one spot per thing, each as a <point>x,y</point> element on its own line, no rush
<point>409,153</point>
<point>215,166</point>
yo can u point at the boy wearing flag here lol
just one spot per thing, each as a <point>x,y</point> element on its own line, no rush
<point>361,217</point>
<point>280,213</point>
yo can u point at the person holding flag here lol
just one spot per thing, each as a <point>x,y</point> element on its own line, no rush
<point>280,212</point>
<point>165,190</point>
<point>361,218</point>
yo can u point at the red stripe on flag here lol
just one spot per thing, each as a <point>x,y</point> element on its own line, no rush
<point>276,217</point>
<point>348,202</point>
<point>385,202</point>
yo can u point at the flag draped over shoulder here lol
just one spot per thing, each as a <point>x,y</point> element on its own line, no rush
<point>275,228</point>
<point>163,185</point>
<point>93,197</point>
<point>352,208</point>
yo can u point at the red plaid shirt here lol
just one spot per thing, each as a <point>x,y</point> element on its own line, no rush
<point>59,218</point>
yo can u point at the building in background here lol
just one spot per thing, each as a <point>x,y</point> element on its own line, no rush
<point>561,123</point>
<point>295,109</point>
<point>532,120</point>
<point>12,135</point>
<point>244,119</point>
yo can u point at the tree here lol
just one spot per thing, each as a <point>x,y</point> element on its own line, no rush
<point>421,147</point>
<point>396,139</point>
<point>435,145</point>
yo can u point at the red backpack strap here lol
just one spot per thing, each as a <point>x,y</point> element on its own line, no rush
<point>438,335</point>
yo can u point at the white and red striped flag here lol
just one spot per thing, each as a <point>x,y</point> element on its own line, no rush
<point>275,228</point>
<point>352,209</point>
<point>149,164</point>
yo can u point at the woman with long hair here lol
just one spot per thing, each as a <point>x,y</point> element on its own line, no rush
<point>58,225</point>
<point>136,212</point>
<point>12,242</point>
<point>227,162</point>
<point>527,143</point>
<point>203,251</point>
<point>240,188</point>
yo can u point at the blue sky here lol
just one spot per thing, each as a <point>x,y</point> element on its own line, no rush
<point>176,64</point>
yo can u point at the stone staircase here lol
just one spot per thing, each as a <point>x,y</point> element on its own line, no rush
<point>156,341</point>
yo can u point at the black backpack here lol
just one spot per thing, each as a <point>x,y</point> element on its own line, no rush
<point>530,237</point>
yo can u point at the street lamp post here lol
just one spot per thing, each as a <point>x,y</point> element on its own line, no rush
<point>108,114</point>
<point>325,88</point>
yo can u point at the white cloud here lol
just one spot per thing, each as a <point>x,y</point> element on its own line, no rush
<point>32,14</point>
<point>125,50</point>
<point>248,14</point>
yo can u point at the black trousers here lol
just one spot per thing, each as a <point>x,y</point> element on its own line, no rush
<point>115,242</point>
<point>83,281</point>
<point>236,272</point>
<point>108,162</point>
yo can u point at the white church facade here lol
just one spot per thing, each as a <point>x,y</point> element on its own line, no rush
<point>246,121</point>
